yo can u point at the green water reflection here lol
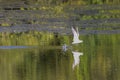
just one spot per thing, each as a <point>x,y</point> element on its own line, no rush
<point>47,61</point>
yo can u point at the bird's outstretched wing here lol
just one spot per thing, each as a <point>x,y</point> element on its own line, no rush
<point>76,36</point>
<point>75,32</point>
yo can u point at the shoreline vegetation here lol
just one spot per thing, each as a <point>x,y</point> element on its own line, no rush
<point>60,2</point>
<point>52,39</point>
<point>56,15</point>
<point>38,14</point>
<point>41,11</point>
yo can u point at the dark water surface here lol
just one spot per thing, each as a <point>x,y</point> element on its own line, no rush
<point>97,58</point>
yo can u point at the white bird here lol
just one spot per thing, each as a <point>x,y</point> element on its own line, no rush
<point>76,56</point>
<point>76,36</point>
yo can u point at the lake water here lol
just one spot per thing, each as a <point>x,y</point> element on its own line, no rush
<point>40,57</point>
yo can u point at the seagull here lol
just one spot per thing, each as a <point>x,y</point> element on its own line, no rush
<point>76,36</point>
<point>76,56</point>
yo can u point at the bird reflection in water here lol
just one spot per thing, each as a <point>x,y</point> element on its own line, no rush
<point>76,56</point>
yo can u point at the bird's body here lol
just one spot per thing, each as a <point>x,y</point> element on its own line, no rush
<point>76,36</point>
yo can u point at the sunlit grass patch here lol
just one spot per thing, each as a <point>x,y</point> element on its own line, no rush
<point>5,24</point>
